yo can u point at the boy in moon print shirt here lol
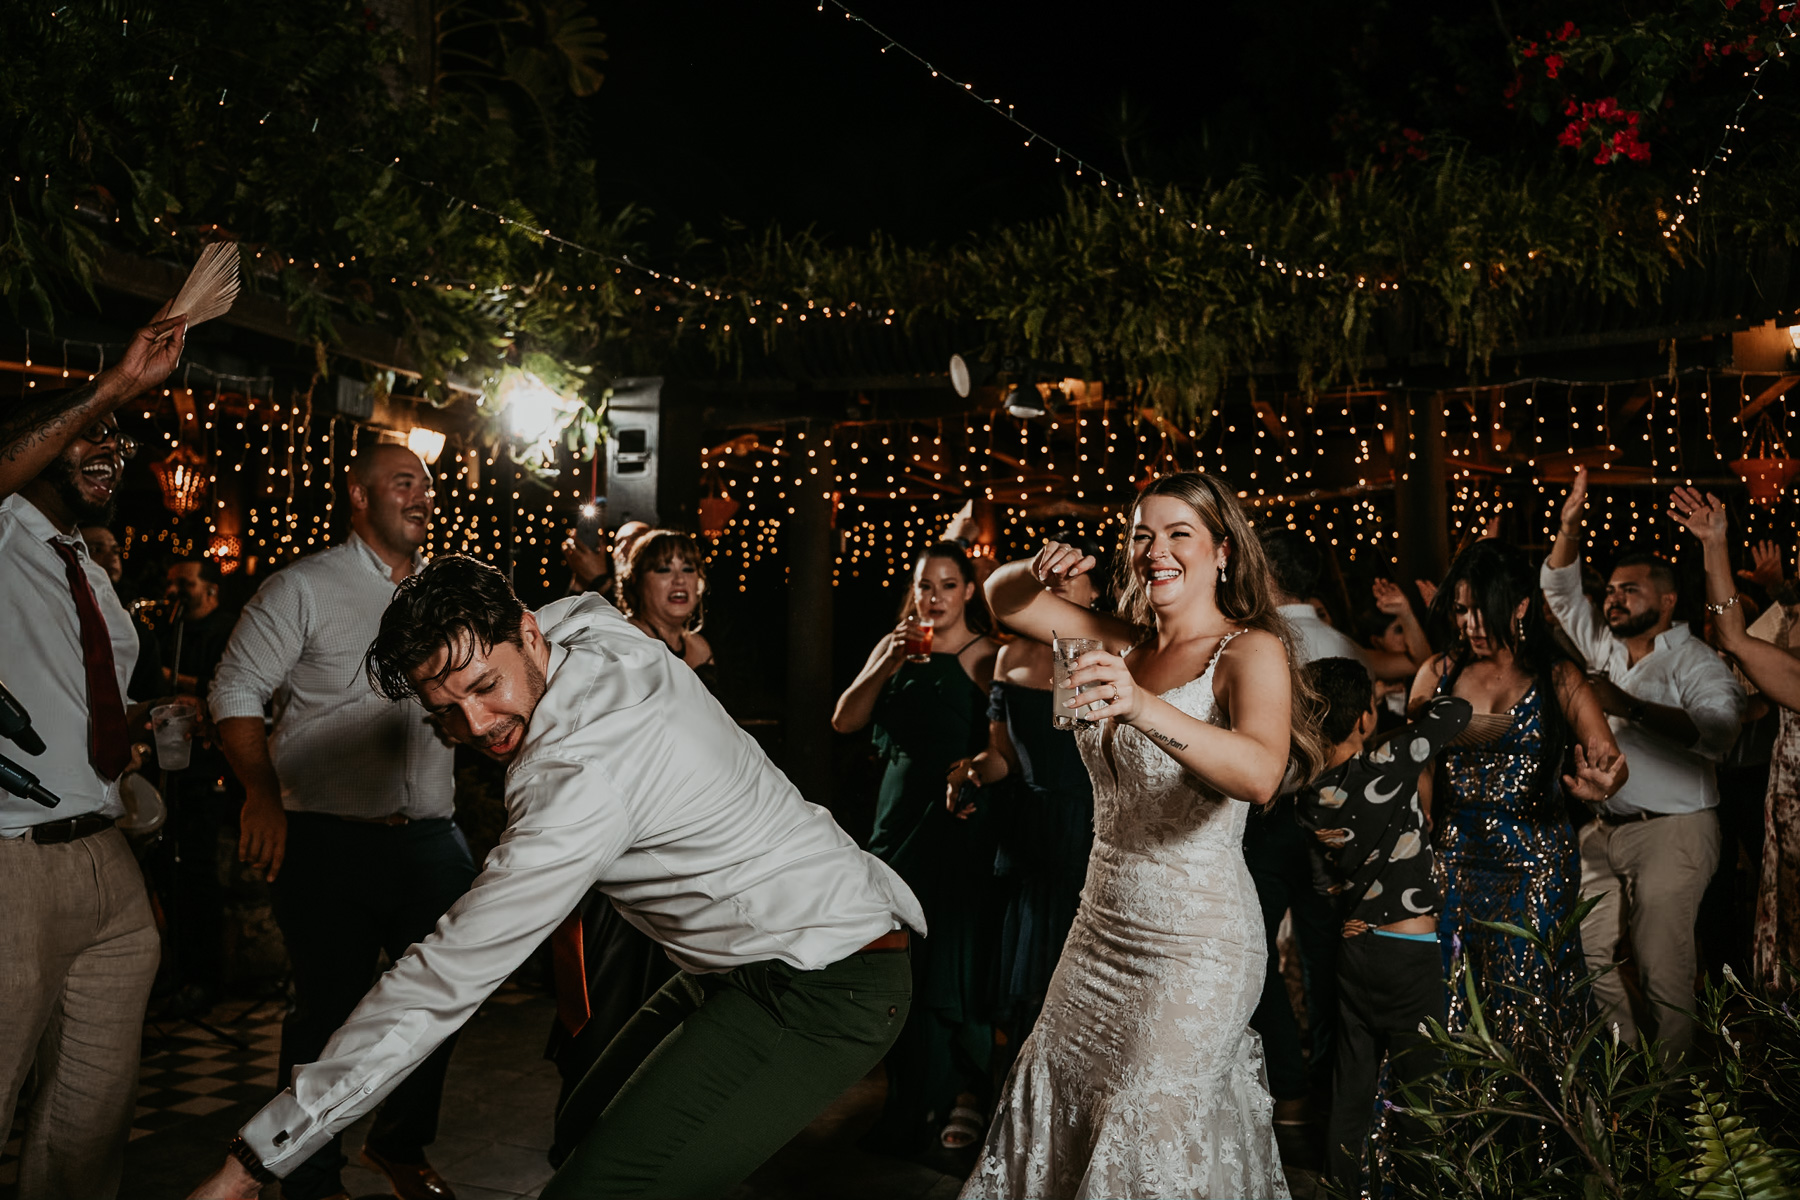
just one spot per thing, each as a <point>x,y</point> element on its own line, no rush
<point>1373,853</point>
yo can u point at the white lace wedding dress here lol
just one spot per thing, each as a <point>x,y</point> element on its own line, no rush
<point>1142,1077</point>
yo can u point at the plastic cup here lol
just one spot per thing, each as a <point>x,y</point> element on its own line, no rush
<point>1064,652</point>
<point>174,728</point>
<point>918,642</point>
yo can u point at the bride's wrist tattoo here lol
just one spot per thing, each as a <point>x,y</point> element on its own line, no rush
<point>1156,735</point>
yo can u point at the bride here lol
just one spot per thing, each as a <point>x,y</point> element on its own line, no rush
<point>1142,1077</point>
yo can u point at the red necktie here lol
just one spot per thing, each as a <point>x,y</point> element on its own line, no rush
<point>568,967</point>
<point>109,741</point>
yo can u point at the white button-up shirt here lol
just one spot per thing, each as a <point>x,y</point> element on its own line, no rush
<point>1681,671</point>
<point>631,778</point>
<point>338,746</point>
<point>42,665</point>
<point>1314,639</point>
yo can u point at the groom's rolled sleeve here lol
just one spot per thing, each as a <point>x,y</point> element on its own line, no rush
<point>568,826</point>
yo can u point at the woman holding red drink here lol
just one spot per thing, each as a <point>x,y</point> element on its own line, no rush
<point>924,689</point>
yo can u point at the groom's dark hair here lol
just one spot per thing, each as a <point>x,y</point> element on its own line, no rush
<point>455,604</point>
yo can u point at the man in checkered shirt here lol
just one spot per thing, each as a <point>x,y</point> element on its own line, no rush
<point>348,799</point>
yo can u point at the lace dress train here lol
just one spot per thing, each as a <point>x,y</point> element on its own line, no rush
<point>1142,1078</point>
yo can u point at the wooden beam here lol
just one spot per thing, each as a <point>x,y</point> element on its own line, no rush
<point>1767,396</point>
<point>1266,411</point>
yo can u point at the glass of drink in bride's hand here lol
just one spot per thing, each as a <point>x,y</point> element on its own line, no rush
<point>1065,652</point>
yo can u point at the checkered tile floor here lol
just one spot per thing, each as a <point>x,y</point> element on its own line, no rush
<point>186,1072</point>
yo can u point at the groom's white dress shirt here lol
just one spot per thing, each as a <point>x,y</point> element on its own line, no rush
<point>634,780</point>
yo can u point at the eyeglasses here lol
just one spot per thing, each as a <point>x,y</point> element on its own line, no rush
<point>100,434</point>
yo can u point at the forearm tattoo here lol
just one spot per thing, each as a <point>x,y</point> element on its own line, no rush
<point>24,425</point>
<point>1156,735</point>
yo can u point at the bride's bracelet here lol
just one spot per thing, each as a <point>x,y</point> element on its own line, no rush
<point>1719,609</point>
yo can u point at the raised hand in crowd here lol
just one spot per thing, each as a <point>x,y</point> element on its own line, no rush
<point>1774,671</point>
<point>36,429</point>
<point>963,526</point>
<point>586,564</point>
<point>1765,567</point>
<point>1427,591</point>
<point>1391,600</point>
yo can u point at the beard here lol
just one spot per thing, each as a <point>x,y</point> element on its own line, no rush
<point>1630,625</point>
<point>60,475</point>
<point>534,691</point>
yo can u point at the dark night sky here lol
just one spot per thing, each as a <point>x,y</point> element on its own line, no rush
<point>770,111</point>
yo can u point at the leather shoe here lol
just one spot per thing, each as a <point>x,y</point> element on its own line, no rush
<point>411,1181</point>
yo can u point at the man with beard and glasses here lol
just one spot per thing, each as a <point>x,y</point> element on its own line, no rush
<point>78,947</point>
<point>348,801</point>
<point>1675,709</point>
<point>625,775</point>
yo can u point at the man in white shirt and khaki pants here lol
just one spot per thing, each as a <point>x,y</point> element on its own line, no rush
<point>1675,708</point>
<point>78,946</point>
<point>623,774</point>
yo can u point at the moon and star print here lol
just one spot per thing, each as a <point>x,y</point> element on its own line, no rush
<point>1371,848</point>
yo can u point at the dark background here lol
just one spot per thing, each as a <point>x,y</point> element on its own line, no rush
<point>776,113</point>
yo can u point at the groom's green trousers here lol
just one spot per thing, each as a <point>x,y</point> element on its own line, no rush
<point>717,1072</point>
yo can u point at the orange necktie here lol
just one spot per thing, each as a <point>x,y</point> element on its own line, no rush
<point>568,964</point>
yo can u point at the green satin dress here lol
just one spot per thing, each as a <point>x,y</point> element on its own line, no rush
<point>929,715</point>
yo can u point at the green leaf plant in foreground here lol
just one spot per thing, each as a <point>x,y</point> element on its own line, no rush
<point>1572,1112</point>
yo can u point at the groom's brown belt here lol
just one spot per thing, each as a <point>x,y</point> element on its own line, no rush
<point>897,940</point>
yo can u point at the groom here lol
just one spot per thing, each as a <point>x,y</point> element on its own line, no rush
<point>624,774</point>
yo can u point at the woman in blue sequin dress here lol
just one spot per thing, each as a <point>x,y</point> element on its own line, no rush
<point>1501,828</point>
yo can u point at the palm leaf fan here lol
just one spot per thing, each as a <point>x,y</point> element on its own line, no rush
<point>211,287</point>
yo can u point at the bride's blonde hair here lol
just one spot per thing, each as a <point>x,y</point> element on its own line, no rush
<point>1245,596</point>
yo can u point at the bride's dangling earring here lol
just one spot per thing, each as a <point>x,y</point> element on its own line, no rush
<point>1221,572</point>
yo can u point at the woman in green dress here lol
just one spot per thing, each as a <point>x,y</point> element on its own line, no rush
<point>926,715</point>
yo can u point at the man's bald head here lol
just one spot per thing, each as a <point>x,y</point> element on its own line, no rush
<point>381,460</point>
<point>390,500</point>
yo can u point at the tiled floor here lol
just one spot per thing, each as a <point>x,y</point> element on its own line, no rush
<point>495,1124</point>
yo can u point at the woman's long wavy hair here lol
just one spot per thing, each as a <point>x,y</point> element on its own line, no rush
<point>1500,576</point>
<point>657,549</point>
<point>976,614</point>
<point>1245,596</point>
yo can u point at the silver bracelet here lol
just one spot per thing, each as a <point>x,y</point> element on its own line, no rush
<point>1718,609</point>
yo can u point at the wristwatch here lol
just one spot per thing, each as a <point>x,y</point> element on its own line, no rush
<point>961,541</point>
<point>1637,711</point>
<point>251,1161</point>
